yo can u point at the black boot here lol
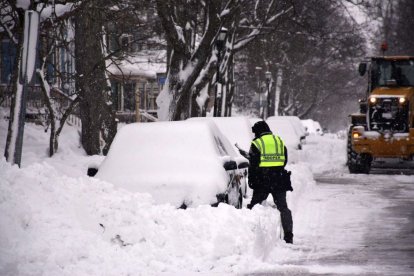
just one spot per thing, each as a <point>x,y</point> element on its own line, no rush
<point>288,237</point>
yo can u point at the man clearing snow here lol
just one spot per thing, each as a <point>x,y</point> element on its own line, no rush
<point>268,157</point>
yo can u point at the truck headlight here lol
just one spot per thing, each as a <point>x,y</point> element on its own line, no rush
<point>402,100</point>
<point>372,100</point>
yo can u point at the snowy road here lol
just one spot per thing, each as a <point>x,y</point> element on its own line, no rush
<point>374,235</point>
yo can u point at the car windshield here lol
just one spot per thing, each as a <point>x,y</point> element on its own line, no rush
<point>393,72</point>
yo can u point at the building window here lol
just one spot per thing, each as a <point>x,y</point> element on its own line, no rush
<point>114,94</point>
<point>8,55</point>
<point>129,96</point>
<point>125,42</point>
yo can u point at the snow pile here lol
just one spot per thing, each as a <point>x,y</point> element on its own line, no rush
<point>330,158</point>
<point>57,221</point>
<point>60,225</point>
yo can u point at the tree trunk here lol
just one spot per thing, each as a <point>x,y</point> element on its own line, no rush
<point>96,114</point>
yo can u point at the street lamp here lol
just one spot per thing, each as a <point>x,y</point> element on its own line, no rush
<point>220,42</point>
<point>268,76</point>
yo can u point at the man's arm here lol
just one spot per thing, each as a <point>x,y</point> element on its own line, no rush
<point>242,152</point>
<point>254,161</point>
<point>254,156</point>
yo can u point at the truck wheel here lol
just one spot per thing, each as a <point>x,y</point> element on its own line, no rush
<point>365,160</point>
<point>357,163</point>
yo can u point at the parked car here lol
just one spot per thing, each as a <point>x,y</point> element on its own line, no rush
<point>287,132</point>
<point>237,130</point>
<point>313,127</point>
<point>296,123</point>
<point>185,163</point>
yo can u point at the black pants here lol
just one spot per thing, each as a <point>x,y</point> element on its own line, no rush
<point>280,200</point>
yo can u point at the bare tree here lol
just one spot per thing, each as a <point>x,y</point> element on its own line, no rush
<point>56,34</point>
<point>313,53</point>
<point>404,27</point>
<point>98,118</point>
<point>96,22</point>
<point>395,22</point>
<point>191,40</point>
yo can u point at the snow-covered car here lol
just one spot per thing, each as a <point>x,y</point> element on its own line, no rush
<point>184,163</point>
<point>287,132</point>
<point>313,127</point>
<point>237,130</point>
<point>296,123</point>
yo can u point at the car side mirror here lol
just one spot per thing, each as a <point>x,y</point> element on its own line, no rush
<point>92,171</point>
<point>243,165</point>
<point>362,68</point>
<point>230,165</point>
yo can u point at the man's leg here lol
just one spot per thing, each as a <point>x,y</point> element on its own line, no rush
<point>258,196</point>
<point>285,214</point>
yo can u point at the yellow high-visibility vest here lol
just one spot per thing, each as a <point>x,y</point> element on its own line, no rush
<point>272,150</point>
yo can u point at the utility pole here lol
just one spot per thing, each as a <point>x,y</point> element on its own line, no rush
<point>137,105</point>
<point>220,43</point>
<point>278,89</point>
<point>268,76</point>
<point>259,89</point>
<point>26,71</point>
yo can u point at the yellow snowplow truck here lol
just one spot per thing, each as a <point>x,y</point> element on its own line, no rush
<point>384,127</point>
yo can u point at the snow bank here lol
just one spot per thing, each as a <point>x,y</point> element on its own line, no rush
<point>327,159</point>
<point>57,221</point>
<point>60,225</point>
